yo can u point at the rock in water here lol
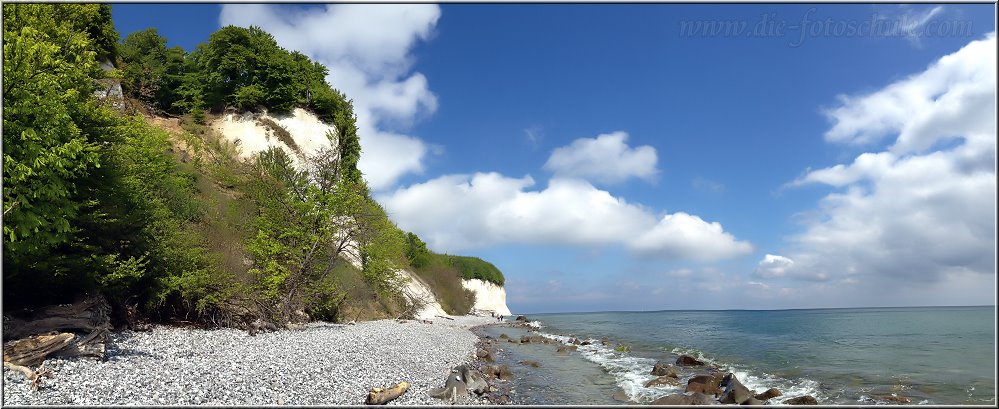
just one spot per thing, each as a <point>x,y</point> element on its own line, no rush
<point>533,364</point>
<point>893,398</point>
<point>566,348</point>
<point>705,384</point>
<point>662,368</point>
<point>687,360</point>
<point>662,380</point>
<point>735,391</point>
<point>769,394</point>
<point>684,400</point>
<point>801,400</point>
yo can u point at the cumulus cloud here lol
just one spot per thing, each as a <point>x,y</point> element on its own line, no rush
<point>457,212</point>
<point>773,266</point>
<point>680,235</point>
<point>605,159</point>
<point>922,211</point>
<point>367,50</point>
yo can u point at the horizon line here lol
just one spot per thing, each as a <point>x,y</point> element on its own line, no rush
<point>761,309</point>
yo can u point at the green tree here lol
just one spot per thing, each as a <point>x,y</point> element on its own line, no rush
<point>152,72</point>
<point>52,127</point>
<point>308,221</point>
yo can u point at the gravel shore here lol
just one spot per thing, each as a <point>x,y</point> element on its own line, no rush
<point>323,364</point>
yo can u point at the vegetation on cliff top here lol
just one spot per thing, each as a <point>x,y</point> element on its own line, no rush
<point>173,223</point>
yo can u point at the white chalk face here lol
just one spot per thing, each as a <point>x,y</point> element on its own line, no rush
<point>251,136</point>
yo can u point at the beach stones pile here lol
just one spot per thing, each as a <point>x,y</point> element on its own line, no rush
<point>323,364</point>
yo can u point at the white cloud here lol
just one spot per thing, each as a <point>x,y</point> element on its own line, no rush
<point>773,266</point>
<point>605,159</point>
<point>920,214</point>
<point>680,235</point>
<point>457,212</point>
<point>366,48</point>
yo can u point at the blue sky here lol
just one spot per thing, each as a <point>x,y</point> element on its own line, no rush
<point>604,160</point>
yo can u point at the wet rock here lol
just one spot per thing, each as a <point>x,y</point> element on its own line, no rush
<point>530,363</point>
<point>801,400</point>
<point>574,341</point>
<point>604,341</point>
<point>504,335</point>
<point>687,360</point>
<point>769,394</point>
<point>663,381</point>
<point>585,343</point>
<point>684,400</point>
<point>481,353</point>
<point>705,384</point>
<point>620,396</point>
<point>735,391</point>
<point>521,318</point>
<point>752,402</point>
<point>893,398</point>
<point>566,348</point>
<point>504,373</point>
<point>662,368</point>
<point>525,339</point>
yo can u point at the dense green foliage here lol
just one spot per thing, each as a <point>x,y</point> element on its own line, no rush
<point>241,68</point>
<point>92,200</point>
<point>474,267</point>
<point>176,223</point>
<point>465,267</point>
<point>443,273</point>
<point>154,73</point>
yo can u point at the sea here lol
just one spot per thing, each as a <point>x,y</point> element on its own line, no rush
<point>862,356</point>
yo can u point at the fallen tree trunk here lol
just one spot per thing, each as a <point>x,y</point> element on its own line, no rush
<point>381,396</point>
<point>50,332</point>
<point>86,316</point>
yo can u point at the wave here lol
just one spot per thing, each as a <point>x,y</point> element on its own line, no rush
<point>632,372</point>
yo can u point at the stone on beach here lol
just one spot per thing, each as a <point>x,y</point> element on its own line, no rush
<point>323,364</point>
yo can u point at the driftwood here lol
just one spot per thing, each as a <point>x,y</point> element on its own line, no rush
<point>381,396</point>
<point>35,376</point>
<point>88,315</point>
<point>78,329</point>
<point>33,350</point>
<point>447,318</point>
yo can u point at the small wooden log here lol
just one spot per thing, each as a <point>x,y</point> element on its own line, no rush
<point>447,318</point>
<point>32,351</point>
<point>381,396</point>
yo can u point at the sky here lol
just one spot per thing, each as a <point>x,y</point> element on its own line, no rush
<point>669,156</point>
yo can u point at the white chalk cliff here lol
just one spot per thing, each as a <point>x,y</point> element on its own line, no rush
<point>251,136</point>
<point>309,133</point>
<point>488,296</point>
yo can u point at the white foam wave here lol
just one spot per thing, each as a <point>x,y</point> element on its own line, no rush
<point>631,373</point>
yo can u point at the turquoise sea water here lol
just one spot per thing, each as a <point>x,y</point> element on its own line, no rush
<point>931,355</point>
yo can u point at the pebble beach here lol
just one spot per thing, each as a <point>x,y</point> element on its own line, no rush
<point>322,364</point>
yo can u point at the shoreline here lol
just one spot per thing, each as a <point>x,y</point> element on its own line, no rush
<point>320,364</point>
